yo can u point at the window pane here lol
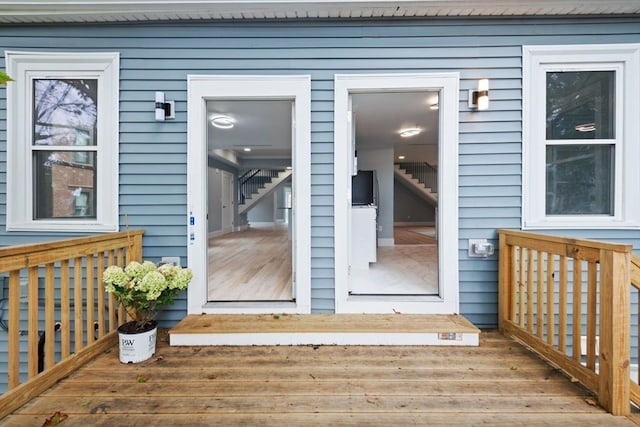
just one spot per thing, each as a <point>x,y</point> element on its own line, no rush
<point>580,105</point>
<point>580,180</point>
<point>65,111</point>
<point>63,187</point>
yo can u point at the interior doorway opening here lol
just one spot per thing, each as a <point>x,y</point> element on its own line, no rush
<point>443,298</point>
<point>250,215</point>
<point>394,194</point>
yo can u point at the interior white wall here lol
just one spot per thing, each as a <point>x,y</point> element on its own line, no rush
<point>381,160</point>
<point>409,207</point>
<point>214,199</point>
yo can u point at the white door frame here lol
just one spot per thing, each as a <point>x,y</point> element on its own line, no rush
<point>203,88</point>
<point>447,302</point>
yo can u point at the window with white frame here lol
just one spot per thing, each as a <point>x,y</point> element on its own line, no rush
<point>581,147</point>
<point>62,141</point>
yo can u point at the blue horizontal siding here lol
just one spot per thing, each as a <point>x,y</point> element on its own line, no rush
<point>160,56</point>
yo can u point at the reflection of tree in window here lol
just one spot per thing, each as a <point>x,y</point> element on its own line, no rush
<point>578,98</point>
<point>65,116</point>
<point>580,180</point>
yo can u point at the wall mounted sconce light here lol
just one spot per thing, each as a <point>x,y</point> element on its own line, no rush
<point>479,99</point>
<point>164,110</point>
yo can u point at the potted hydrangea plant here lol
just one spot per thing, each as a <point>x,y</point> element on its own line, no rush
<point>142,289</point>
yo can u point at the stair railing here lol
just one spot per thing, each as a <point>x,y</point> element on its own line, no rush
<point>425,173</point>
<point>253,180</point>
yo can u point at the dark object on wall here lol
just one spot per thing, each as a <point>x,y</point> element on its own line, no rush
<point>364,188</point>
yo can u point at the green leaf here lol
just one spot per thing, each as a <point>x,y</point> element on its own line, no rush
<point>4,78</point>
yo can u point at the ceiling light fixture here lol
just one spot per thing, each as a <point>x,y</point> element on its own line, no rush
<point>247,149</point>
<point>586,127</point>
<point>409,132</point>
<point>400,157</point>
<point>223,122</point>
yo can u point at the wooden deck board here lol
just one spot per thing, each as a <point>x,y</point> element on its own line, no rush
<point>324,329</point>
<point>226,323</point>
<point>499,383</point>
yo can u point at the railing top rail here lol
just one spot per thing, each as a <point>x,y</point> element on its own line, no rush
<point>540,238</point>
<point>33,248</point>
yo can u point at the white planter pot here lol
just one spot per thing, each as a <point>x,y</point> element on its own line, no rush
<point>136,347</point>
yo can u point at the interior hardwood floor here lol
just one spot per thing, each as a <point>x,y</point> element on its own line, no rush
<point>408,268</point>
<point>250,265</point>
<point>499,383</point>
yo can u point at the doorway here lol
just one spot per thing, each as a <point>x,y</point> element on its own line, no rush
<point>249,142</point>
<point>401,240</point>
<point>251,138</point>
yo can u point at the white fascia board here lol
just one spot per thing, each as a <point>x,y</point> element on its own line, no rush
<point>144,10</point>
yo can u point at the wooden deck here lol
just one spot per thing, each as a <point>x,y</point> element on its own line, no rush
<point>497,383</point>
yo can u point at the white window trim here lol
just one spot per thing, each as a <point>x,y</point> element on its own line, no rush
<point>24,67</point>
<point>625,60</point>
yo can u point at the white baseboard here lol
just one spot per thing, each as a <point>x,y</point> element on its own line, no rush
<point>386,242</point>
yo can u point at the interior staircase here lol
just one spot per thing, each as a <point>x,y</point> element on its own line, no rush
<point>421,178</point>
<point>259,183</point>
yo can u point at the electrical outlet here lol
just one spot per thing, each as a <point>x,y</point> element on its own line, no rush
<point>175,260</point>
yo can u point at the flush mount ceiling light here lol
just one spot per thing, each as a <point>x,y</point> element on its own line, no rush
<point>247,149</point>
<point>409,132</point>
<point>400,157</point>
<point>586,127</point>
<point>223,122</point>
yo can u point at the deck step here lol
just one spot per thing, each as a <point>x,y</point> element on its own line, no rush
<point>324,329</point>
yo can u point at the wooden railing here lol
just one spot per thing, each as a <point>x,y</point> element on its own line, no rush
<point>554,291</point>
<point>635,294</point>
<point>65,316</point>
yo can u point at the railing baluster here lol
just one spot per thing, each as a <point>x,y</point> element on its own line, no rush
<point>14,330</point>
<point>112,301</point>
<point>521,289</point>
<point>530,286</point>
<point>551,312</point>
<point>33,308</point>
<point>577,310</point>
<point>540,302</point>
<point>90,306</point>
<point>562,311</point>
<point>513,282</point>
<point>101,297</point>
<point>592,289</point>
<point>65,321</point>
<point>49,315</point>
<point>77,295</point>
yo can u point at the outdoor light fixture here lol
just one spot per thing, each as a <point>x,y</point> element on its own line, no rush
<point>223,122</point>
<point>479,99</point>
<point>434,106</point>
<point>165,110</point>
<point>409,132</point>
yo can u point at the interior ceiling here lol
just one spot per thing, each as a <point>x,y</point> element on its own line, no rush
<point>380,116</point>
<point>262,125</point>
<point>265,125</point>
